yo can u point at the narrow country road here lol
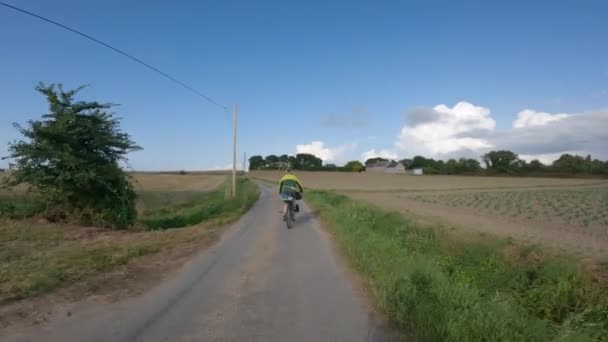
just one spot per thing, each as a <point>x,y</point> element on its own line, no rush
<point>262,282</point>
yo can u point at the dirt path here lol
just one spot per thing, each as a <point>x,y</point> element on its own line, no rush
<point>571,240</point>
<point>262,282</point>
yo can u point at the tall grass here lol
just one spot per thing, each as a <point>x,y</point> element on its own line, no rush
<point>437,287</point>
<point>206,206</point>
<point>19,206</point>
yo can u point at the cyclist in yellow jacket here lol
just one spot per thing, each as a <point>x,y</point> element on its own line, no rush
<point>290,185</point>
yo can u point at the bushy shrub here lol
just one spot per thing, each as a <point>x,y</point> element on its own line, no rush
<point>71,157</point>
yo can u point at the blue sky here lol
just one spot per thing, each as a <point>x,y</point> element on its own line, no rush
<point>338,79</point>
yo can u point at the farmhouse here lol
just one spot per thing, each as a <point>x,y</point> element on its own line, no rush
<point>386,167</point>
<point>394,167</point>
<point>377,167</point>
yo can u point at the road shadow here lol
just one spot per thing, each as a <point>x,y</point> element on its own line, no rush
<point>304,218</point>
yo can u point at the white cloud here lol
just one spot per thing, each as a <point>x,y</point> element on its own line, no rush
<point>577,133</point>
<point>466,130</point>
<point>529,117</point>
<point>386,154</point>
<point>443,130</point>
<point>327,154</point>
<point>546,158</point>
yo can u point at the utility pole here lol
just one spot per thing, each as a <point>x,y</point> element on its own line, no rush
<point>244,163</point>
<point>234,153</point>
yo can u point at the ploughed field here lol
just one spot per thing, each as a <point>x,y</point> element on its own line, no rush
<point>568,214</point>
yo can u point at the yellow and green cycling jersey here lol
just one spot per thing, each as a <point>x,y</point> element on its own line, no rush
<point>290,183</point>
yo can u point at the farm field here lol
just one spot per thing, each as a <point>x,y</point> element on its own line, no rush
<point>578,207</point>
<point>176,182</point>
<point>570,215</point>
<point>381,182</point>
<point>148,181</point>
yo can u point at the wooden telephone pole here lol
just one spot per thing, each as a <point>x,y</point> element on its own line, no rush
<point>234,153</point>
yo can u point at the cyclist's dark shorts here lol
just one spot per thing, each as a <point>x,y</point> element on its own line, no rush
<point>294,194</point>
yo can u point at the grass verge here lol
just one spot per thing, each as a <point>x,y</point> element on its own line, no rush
<point>39,257</point>
<point>202,207</point>
<point>437,287</point>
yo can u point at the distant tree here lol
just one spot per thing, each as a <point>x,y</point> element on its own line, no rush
<point>452,167</point>
<point>306,161</point>
<point>568,163</point>
<point>598,167</point>
<point>500,161</point>
<point>354,166</point>
<point>293,162</point>
<point>406,163</point>
<point>71,157</point>
<point>376,160</point>
<point>429,165</point>
<point>272,159</point>
<point>520,166</point>
<point>272,162</point>
<point>535,166</point>
<point>284,158</point>
<point>330,167</point>
<point>418,162</point>
<point>256,163</point>
<point>469,165</point>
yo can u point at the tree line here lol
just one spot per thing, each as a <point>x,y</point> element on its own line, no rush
<point>494,163</point>
<point>301,161</point>
<point>508,162</point>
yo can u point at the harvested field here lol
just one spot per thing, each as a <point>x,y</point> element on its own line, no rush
<point>200,182</point>
<point>568,214</point>
<point>391,182</point>
<point>175,182</point>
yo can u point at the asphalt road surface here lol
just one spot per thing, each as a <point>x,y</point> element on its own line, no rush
<point>262,282</point>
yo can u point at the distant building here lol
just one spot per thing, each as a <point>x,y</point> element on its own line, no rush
<point>394,167</point>
<point>377,167</point>
<point>386,167</point>
<point>414,172</point>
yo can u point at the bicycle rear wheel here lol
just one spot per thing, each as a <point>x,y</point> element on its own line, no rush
<point>290,219</point>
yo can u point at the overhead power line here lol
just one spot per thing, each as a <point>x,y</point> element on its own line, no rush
<point>118,51</point>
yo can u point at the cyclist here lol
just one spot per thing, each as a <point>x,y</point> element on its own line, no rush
<point>290,185</point>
